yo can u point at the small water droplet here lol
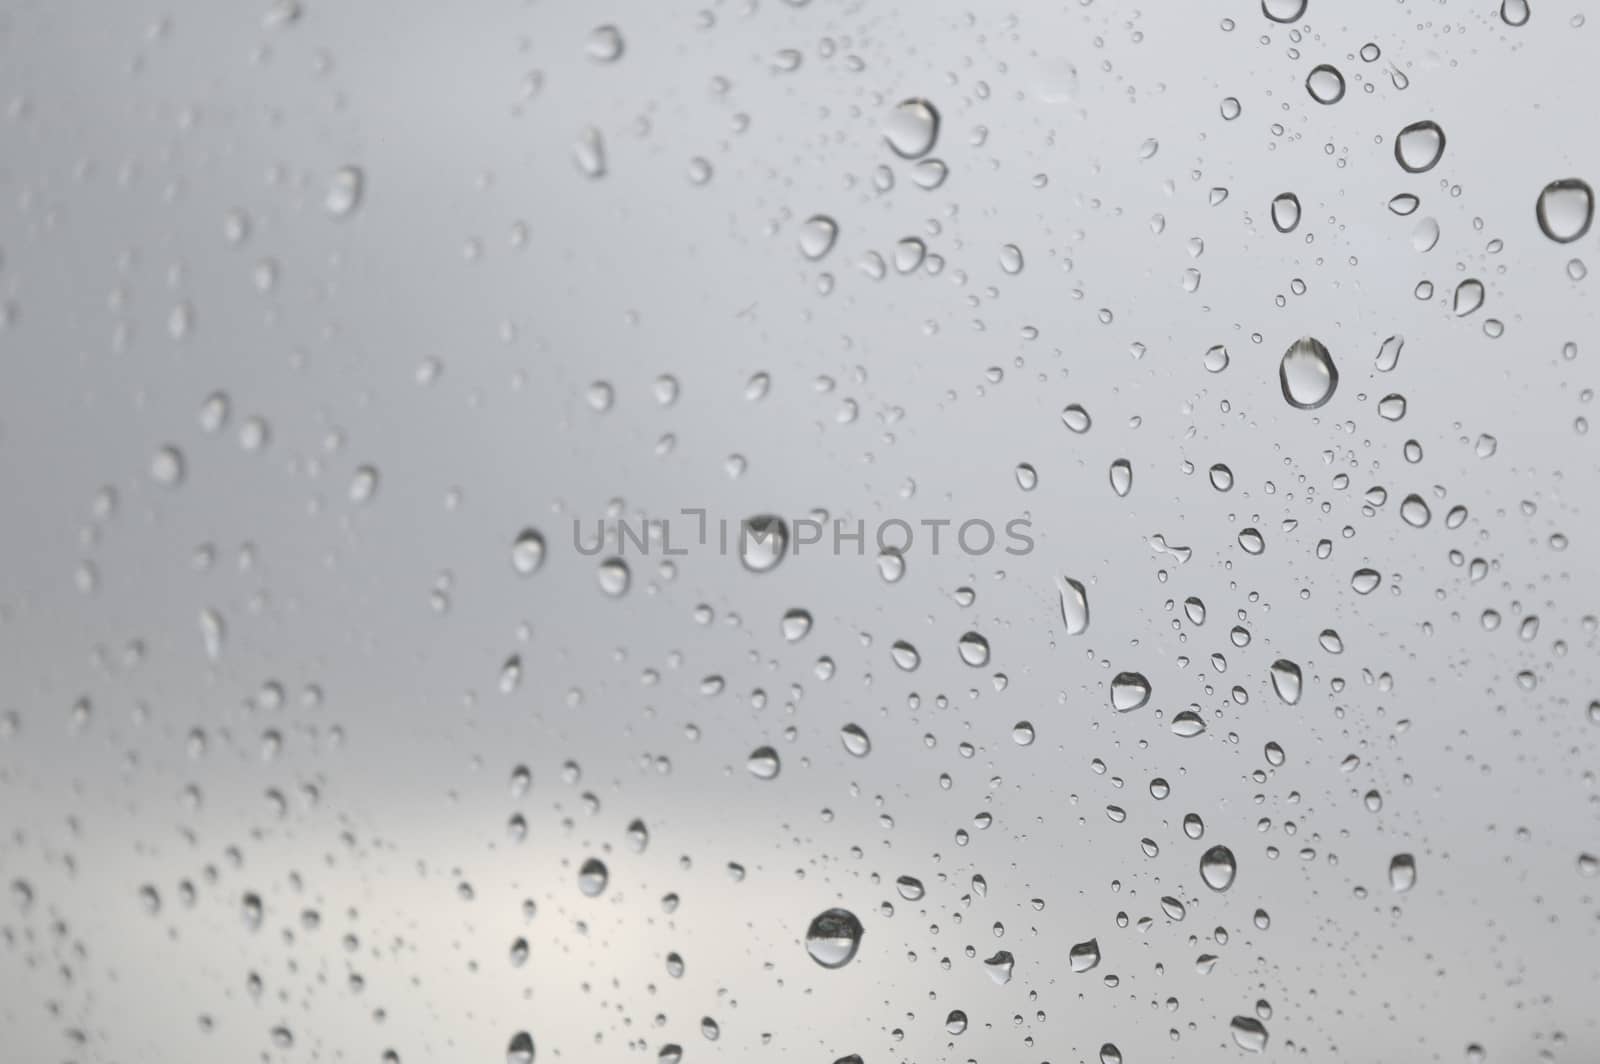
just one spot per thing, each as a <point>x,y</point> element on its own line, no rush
<point>817,236</point>
<point>345,190</point>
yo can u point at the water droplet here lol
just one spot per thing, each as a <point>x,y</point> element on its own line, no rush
<point>891,565</point>
<point>929,174</point>
<point>527,552</point>
<point>344,191</point>
<point>905,656</point>
<point>1000,967</point>
<point>1285,212</point>
<point>763,540</point>
<point>1074,605</point>
<point>1307,374</point>
<point>592,877</point>
<point>1076,418</point>
<point>1514,12</point>
<point>1404,204</point>
<point>1121,477</point>
<point>833,938</point>
<point>1286,680</point>
<point>1221,477</point>
<point>1248,1034</point>
<point>912,128</point>
<point>974,649</point>
<point>1402,872</point>
<point>1129,691</point>
<point>763,763</point>
<point>1027,477</point>
<point>1415,512</point>
<point>1011,259</point>
<point>1468,297</point>
<point>855,740</point>
<point>1084,956</point>
<point>1325,84</point>
<point>817,235</point>
<point>589,153</point>
<point>1218,868</point>
<point>167,467</point>
<point>910,888</point>
<point>796,624</point>
<point>1215,359</point>
<point>1389,354</point>
<point>520,1051</point>
<point>1283,10</point>
<point>1565,209</point>
<point>364,485</point>
<point>604,44</point>
<point>1418,147</point>
<point>1365,581</point>
<point>614,577</point>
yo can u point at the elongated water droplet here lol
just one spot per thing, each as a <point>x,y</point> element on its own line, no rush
<point>974,649</point>
<point>1307,374</point>
<point>1402,872</point>
<point>1074,605</point>
<point>589,153</point>
<point>1286,680</point>
<point>834,937</point>
<point>527,552</point>
<point>1218,868</point>
<point>1468,297</point>
<point>855,740</point>
<point>344,191</point>
<point>1389,353</point>
<point>1286,212</point>
<point>1121,476</point>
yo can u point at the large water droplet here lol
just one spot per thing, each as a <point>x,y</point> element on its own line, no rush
<point>1514,12</point>
<point>1325,84</point>
<point>1084,956</point>
<point>1074,605</point>
<point>1307,374</point>
<point>1248,1034</point>
<point>1389,354</point>
<point>1286,680</point>
<point>1129,691</point>
<point>1417,147</point>
<point>1565,209</point>
<point>1218,867</point>
<point>1285,212</point>
<point>833,938</point>
<point>817,235</point>
<point>912,128</point>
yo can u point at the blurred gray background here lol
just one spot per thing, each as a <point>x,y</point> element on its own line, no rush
<point>267,440</point>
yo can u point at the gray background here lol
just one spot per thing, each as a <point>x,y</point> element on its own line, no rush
<point>131,133</point>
